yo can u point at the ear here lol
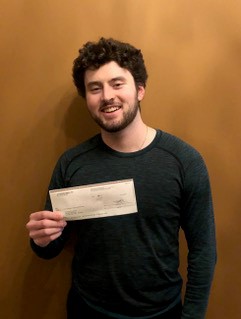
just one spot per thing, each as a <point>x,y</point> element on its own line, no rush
<point>140,92</point>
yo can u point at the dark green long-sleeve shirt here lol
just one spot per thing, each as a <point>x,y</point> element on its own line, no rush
<point>129,264</point>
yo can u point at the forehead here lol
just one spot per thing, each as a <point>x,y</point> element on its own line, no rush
<point>107,72</point>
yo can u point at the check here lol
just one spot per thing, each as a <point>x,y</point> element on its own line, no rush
<point>95,200</point>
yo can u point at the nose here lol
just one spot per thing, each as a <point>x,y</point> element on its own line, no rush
<point>107,93</point>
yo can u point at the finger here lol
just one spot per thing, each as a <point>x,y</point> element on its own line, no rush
<point>45,214</point>
<point>44,241</point>
<point>45,233</point>
<point>44,224</point>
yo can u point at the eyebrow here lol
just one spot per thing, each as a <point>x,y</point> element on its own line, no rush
<point>93,83</point>
<point>118,78</point>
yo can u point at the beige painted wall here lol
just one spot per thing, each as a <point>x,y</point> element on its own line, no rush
<point>192,50</point>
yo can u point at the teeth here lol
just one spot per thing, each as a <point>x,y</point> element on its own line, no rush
<point>111,109</point>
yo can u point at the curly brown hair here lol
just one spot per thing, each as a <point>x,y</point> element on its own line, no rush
<point>95,54</point>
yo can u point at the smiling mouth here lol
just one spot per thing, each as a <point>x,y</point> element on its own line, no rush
<point>110,109</point>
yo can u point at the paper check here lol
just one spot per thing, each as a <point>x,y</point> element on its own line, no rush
<point>95,200</point>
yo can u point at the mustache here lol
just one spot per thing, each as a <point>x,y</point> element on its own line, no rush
<point>109,102</point>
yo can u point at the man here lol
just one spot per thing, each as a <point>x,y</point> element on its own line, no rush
<point>126,266</point>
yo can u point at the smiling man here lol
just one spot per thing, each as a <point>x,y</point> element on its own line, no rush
<point>112,97</point>
<point>127,251</point>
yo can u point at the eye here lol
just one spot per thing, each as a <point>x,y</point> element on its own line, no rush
<point>118,85</point>
<point>94,89</point>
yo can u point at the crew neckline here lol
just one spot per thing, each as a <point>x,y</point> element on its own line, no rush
<point>131,154</point>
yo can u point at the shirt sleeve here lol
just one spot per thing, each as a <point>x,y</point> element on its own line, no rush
<point>198,224</point>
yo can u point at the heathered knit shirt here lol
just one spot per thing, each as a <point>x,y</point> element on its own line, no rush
<point>128,264</point>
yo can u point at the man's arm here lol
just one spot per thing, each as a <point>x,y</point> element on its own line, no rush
<point>199,228</point>
<point>48,230</point>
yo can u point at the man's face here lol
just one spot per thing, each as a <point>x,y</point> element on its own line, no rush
<point>112,97</point>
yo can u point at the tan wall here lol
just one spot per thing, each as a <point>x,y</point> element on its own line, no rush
<point>193,53</point>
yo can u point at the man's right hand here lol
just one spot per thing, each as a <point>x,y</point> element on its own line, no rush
<point>45,226</point>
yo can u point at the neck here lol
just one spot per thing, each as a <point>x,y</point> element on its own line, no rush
<point>131,139</point>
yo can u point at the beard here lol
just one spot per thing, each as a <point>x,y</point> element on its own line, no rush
<point>117,126</point>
